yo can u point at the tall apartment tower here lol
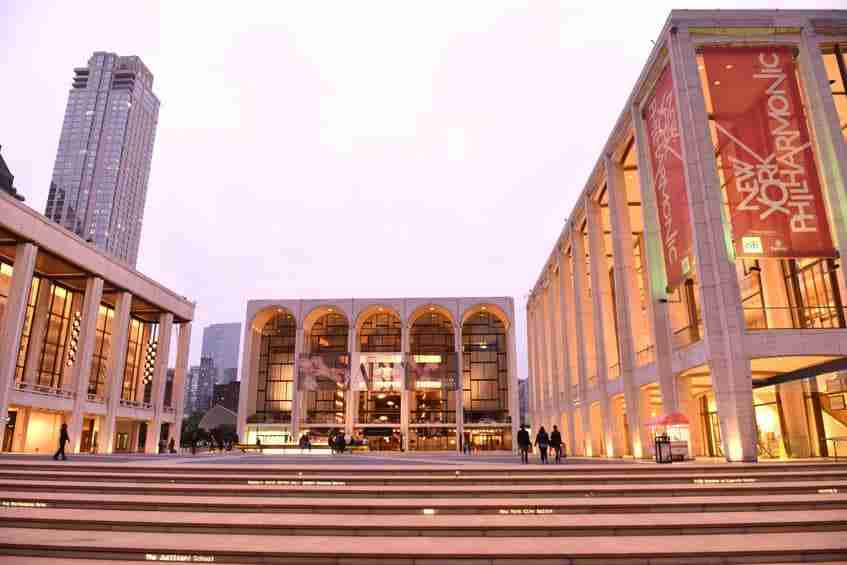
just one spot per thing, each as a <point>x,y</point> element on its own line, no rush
<point>220,342</point>
<point>99,183</point>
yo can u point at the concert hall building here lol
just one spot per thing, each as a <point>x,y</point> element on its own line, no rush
<point>700,277</point>
<point>410,373</point>
<point>84,341</point>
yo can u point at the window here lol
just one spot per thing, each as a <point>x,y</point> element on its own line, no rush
<point>381,332</point>
<point>813,293</point>
<point>485,370</point>
<point>64,306</point>
<point>328,335</point>
<point>432,334</point>
<point>276,369</point>
<point>102,351</point>
<point>836,71</point>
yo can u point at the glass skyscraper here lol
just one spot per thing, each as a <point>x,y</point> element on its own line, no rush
<point>99,183</point>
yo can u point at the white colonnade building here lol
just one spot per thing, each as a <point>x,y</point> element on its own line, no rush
<point>85,341</point>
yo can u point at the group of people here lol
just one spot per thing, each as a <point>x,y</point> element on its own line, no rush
<point>543,441</point>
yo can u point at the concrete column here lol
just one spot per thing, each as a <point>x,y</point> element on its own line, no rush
<point>585,332</point>
<point>82,368</point>
<point>654,266</point>
<point>552,349</point>
<point>13,322</point>
<point>534,368</point>
<point>247,388</point>
<point>349,401</point>
<point>830,148</point>
<point>514,403</point>
<point>180,371</point>
<point>115,375</point>
<point>566,298</point>
<point>460,395</point>
<point>163,351</point>
<point>792,401</point>
<point>405,394</point>
<point>628,296</point>
<point>37,332</point>
<point>604,323</point>
<point>297,396</point>
<point>778,313</point>
<point>533,363</point>
<point>714,259</point>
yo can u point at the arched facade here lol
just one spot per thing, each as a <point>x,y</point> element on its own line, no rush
<point>485,377</point>
<point>387,372</point>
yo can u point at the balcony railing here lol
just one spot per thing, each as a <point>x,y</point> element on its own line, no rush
<point>45,390</point>
<point>136,404</point>
<point>645,356</point>
<point>96,398</point>
<point>687,335</point>
<point>795,317</point>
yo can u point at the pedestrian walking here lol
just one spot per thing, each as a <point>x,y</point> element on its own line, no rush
<point>542,441</point>
<point>524,444</point>
<point>556,443</point>
<point>172,446</point>
<point>64,438</point>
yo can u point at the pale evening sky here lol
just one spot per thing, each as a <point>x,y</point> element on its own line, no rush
<point>343,149</point>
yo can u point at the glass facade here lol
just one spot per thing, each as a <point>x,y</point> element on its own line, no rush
<point>329,334</point>
<point>485,369</point>
<point>102,348</point>
<point>432,334</point>
<point>59,342</point>
<point>275,390</point>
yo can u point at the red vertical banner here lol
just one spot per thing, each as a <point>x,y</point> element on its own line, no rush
<point>662,122</point>
<point>766,159</point>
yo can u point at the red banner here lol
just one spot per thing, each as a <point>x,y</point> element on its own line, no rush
<point>766,159</point>
<point>669,181</point>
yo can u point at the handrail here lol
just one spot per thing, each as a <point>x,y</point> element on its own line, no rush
<point>798,317</point>
<point>44,390</point>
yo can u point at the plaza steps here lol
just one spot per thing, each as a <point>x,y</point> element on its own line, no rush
<point>811,488</point>
<point>496,515</point>
<point>539,477</point>
<point>395,506</point>
<point>422,550</point>
<point>433,525</point>
<point>568,468</point>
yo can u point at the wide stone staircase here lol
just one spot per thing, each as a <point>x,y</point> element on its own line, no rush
<point>422,514</point>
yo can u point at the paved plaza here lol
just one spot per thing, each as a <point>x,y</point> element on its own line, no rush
<point>417,508</point>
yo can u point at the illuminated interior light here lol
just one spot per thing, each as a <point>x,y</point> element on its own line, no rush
<point>429,511</point>
<point>717,83</point>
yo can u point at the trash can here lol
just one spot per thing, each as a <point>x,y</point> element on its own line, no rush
<point>662,449</point>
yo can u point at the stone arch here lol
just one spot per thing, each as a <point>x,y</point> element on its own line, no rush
<point>487,307</point>
<point>376,310</point>
<point>429,308</point>
<point>266,314</point>
<point>317,314</point>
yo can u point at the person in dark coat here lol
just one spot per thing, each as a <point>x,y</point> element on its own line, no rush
<point>64,438</point>
<point>542,441</point>
<point>340,443</point>
<point>524,444</point>
<point>556,443</point>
